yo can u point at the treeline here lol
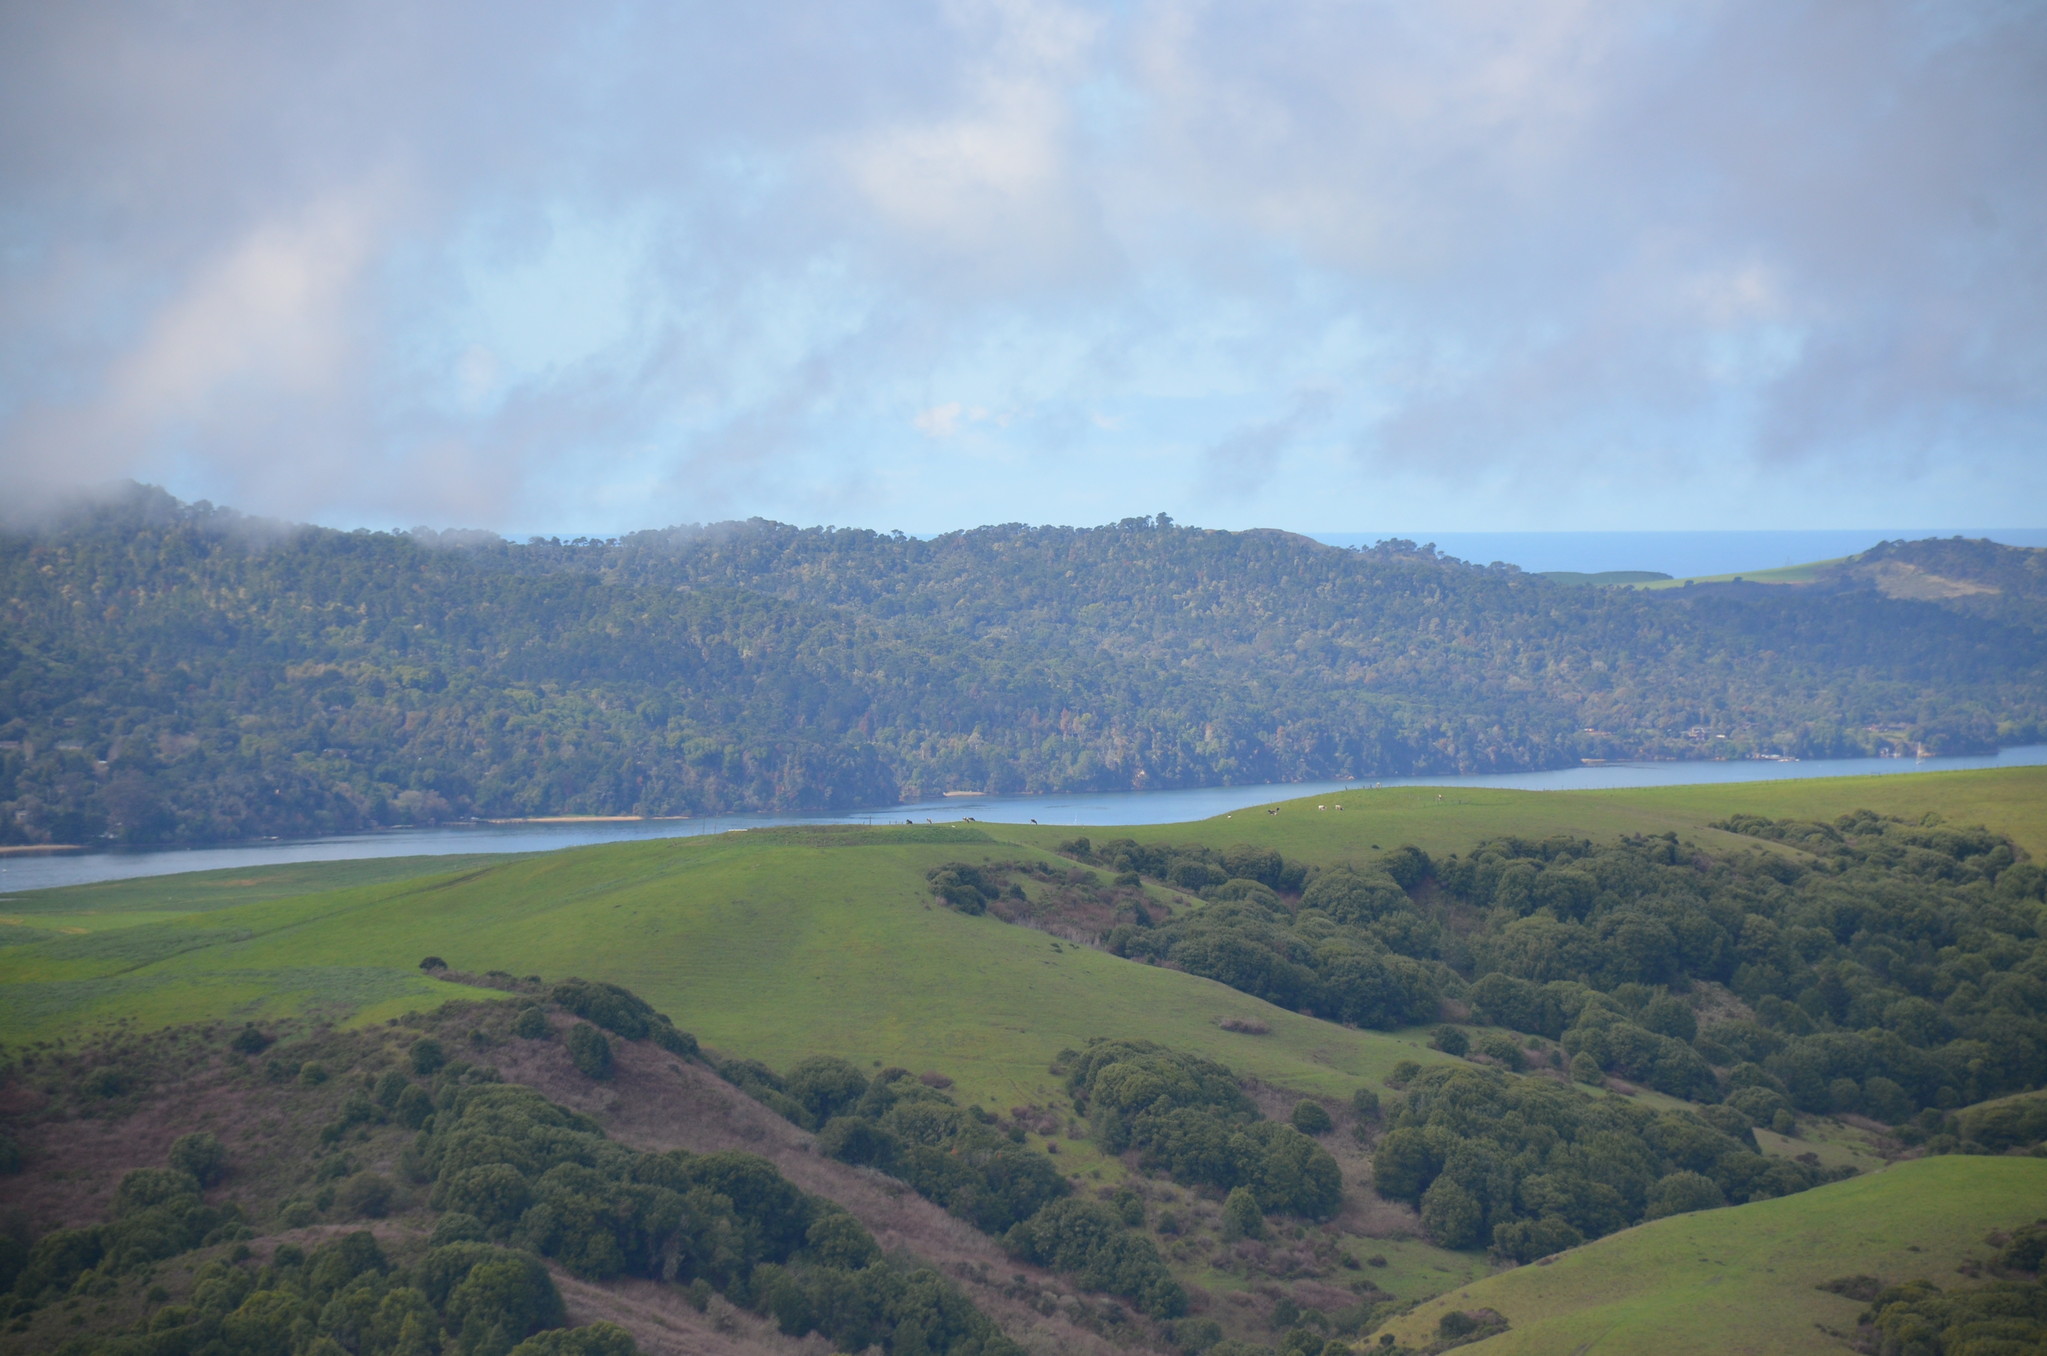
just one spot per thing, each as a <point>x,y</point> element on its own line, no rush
<point>173,672</point>
<point>1885,968</point>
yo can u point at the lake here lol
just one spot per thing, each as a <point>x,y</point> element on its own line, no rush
<point>1080,809</point>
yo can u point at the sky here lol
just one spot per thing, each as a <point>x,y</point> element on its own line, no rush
<point>924,264</point>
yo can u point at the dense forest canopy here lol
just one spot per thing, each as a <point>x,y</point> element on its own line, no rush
<point>177,672</point>
<point>1883,969</point>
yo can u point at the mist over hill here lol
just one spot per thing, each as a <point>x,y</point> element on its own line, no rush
<point>179,672</point>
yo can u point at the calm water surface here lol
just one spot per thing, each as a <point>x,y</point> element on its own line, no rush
<point>1082,809</point>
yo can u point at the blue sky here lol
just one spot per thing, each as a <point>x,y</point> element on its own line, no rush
<point>1756,264</point>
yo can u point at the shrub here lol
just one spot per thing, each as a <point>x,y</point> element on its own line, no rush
<point>589,1051</point>
<point>427,1056</point>
<point>1451,1215</point>
<point>364,1196</point>
<point>508,1292</point>
<point>1310,1118</point>
<point>1241,1216</point>
<point>1525,1240</point>
<point>414,1106</point>
<point>837,1240</point>
<point>433,964</point>
<point>250,1040</point>
<point>531,1024</point>
<point>106,1081</point>
<point>623,1013</point>
<point>1450,1040</point>
<point>201,1155</point>
<point>1502,1050</point>
<point>824,1087</point>
<point>1680,1193</point>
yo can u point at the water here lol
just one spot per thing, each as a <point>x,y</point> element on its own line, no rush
<point>1086,809</point>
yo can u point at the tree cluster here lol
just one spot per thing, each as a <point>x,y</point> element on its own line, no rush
<point>1349,946</point>
<point>1189,1117</point>
<point>956,1157</point>
<point>1884,966</point>
<point>1890,966</point>
<point>463,1299</point>
<point>1530,1167</point>
<point>523,1171</point>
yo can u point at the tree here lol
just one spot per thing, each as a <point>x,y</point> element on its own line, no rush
<point>1680,1193</point>
<point>589,1051</point>
<point>824,1086</point>
<point>1451,1215</point>
<point>201,1155</point>
<point>1404,1165</point>
<point>1311,1118</point>
<point>1241,1216</point>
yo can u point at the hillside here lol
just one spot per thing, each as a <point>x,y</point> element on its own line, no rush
<point>174,672</point>
<point>1750,1279</point>
<point>981,958</point>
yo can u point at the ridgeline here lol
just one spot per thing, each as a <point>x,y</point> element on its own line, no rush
<point>173,672</point>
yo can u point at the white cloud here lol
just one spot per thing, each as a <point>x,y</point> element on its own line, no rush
<point>518,264</point>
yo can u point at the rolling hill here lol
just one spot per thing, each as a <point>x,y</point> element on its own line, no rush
<point>782,944</point>
<point>1750,1279</point>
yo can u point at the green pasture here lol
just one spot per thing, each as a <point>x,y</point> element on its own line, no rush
<point>776,943</point>
<point>1783,574</point>
<point>116,903</point>
<point>2012,801</point>
<point>1746,1279</point>
<point>772,944</point>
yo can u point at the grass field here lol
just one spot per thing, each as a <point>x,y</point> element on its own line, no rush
<point>1784,574</point>
<point>1746,1279</point>
<point>782,942</point>
<point>2013,801</point>
<point>771,944</point>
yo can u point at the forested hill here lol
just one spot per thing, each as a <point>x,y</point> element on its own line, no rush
<point>179,672</point>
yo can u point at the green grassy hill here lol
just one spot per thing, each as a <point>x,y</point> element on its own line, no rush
<point>1747,1279</point>
<point>2010,801</point>
<point>773,944</point>
<point>781,943</point>
<point>1783,574</point>
<point>777,943</point>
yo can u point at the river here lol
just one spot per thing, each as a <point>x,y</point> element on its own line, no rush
<point>38,872</point>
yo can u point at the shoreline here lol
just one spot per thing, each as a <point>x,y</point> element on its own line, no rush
<point>47,866</point>
<point>586,819</point>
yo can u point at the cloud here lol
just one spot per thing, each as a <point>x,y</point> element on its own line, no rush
<point>529,267</point>
<point>944,421</point>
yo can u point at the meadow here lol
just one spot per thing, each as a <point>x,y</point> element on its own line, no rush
<point>1748,1279</point>
<point>778,943</point>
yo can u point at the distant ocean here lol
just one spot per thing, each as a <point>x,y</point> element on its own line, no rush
<point>1680,554</point>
